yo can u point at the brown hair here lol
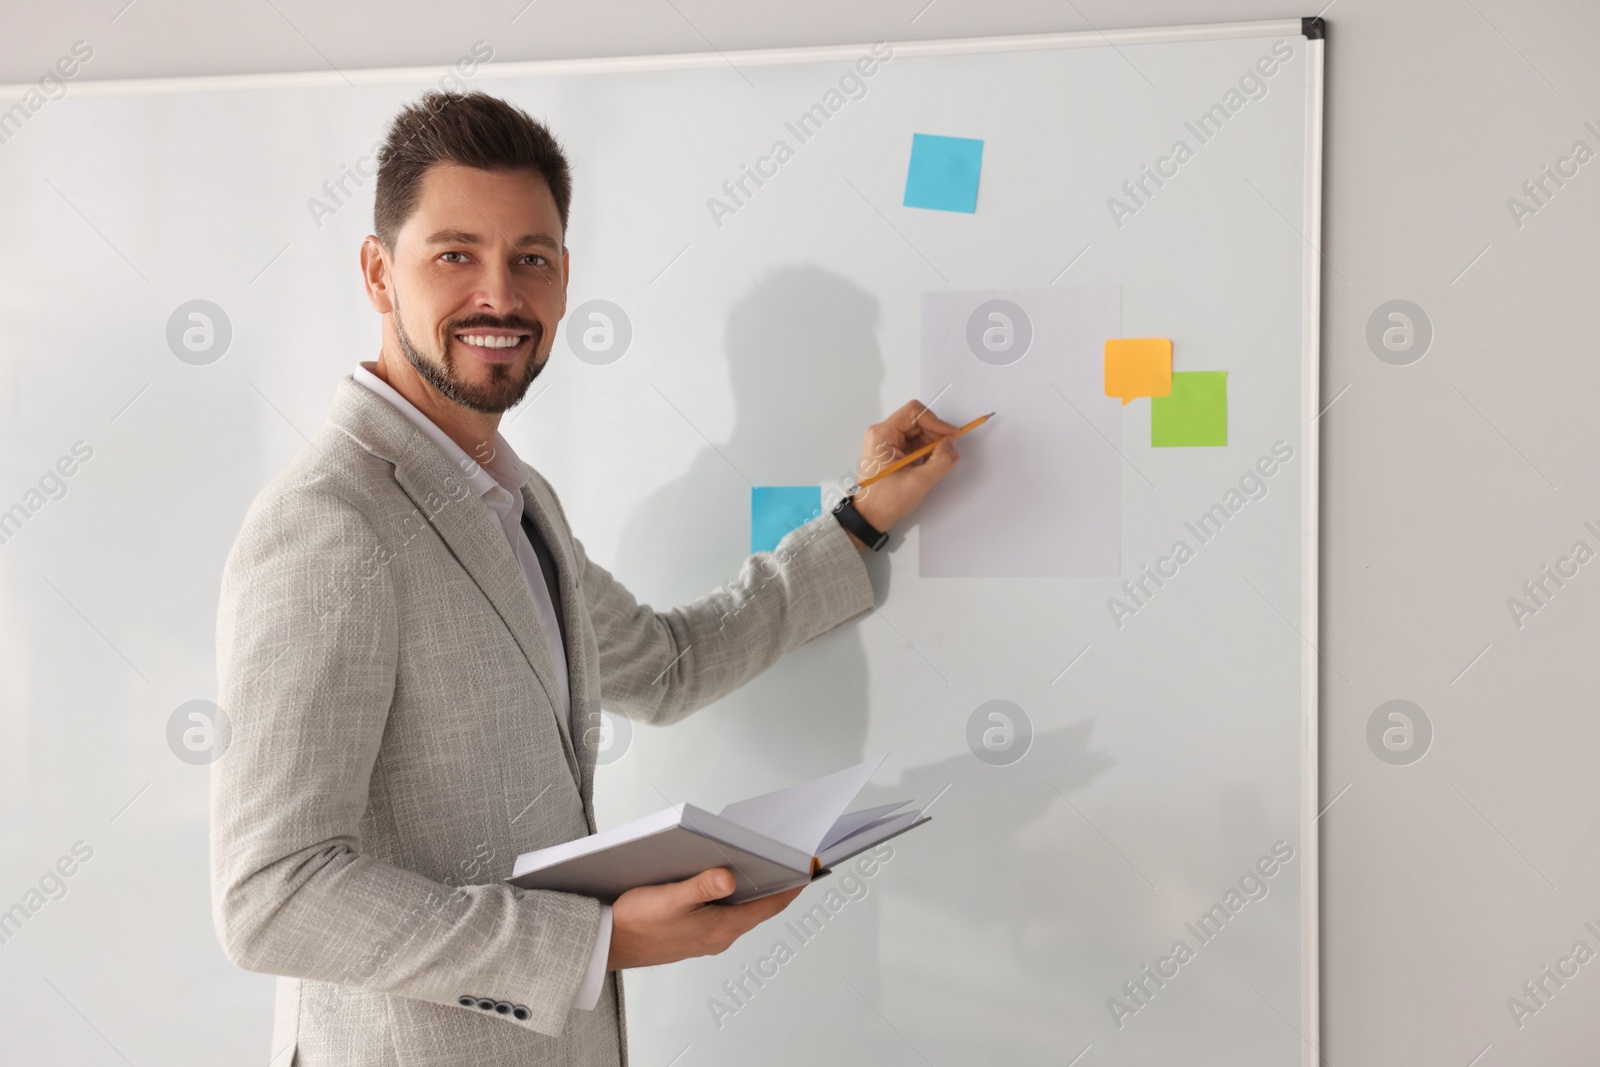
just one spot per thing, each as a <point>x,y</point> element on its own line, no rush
<point>470,129</point>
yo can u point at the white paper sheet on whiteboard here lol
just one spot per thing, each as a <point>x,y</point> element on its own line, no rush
<point>1037,493</point>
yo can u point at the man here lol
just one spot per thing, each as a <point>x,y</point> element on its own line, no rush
<point>410,639</point>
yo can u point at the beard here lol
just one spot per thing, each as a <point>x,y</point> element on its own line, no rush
<point>500,393</point>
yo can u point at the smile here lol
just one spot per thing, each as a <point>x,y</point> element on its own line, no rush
<point>491,340</point>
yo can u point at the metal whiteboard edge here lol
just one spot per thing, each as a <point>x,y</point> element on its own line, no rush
<point>673,61</point>
<point>1310,563</point>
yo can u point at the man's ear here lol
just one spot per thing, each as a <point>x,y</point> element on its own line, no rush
<point>375,274</point>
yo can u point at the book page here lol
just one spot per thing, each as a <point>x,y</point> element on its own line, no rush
<point>860,842</point>
<point>859,820</point>
<point>801,815</point>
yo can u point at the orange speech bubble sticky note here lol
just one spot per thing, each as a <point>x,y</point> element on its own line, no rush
<point>1138,366</point>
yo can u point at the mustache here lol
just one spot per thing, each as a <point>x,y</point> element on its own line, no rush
<point>514,323</point>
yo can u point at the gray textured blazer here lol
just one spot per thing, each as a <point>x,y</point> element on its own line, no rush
<point>394,746</point>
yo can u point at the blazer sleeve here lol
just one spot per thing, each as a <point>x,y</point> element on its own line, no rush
<point>306,681</point>
<point>658,666</point>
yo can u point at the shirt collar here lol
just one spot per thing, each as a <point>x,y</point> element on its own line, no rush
<point>502,470</point>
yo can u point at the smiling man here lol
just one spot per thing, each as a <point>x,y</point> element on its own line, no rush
<point>412,645</point>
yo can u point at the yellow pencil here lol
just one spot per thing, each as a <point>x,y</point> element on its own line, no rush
<point>911,457</point>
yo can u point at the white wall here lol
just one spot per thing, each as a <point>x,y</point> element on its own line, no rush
<point>1447,483</point>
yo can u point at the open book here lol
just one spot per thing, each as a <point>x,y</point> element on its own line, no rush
<point>772,842</point>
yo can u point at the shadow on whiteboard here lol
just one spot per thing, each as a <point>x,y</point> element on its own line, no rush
<point>807,372</point>
<point>806,375</point>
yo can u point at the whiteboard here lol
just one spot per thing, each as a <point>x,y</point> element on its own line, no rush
<point>1156,758</point>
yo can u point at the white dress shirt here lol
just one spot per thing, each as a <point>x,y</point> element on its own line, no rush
<point>498,481</point>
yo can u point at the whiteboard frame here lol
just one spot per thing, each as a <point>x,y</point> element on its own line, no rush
<point>765,57</point>
<point>1311,308</point>
<point>1310,571</point>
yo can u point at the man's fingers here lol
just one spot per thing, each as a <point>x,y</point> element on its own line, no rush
<point>903,416</point>
<point>759,911</point>
<point>711,885</point>
<point>733,921</point>
<point>937,463</point>
<point>914,415</point>
<point>920,438</point>
<point>888,443</point>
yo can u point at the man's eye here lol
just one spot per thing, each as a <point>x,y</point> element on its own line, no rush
<point>463,254</point>
<point>535,255</point>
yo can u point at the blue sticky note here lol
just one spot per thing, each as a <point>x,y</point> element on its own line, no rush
<point>777,509</point>
<point>944,172</point>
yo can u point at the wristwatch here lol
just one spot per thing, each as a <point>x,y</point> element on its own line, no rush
<point>845,511</point>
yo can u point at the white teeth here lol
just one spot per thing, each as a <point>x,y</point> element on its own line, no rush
<point>483,341</point>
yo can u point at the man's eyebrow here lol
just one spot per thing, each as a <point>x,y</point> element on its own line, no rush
<point>463,237</point>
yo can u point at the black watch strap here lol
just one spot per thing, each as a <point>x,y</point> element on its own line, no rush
<point>845,511</point>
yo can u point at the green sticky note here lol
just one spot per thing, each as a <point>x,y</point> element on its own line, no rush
<point>1194,414</point>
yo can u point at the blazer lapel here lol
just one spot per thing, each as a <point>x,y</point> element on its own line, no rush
<point>580,670</point>
<point>462,521</point>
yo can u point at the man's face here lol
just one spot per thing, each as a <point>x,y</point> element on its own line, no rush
<point>478,280</point>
